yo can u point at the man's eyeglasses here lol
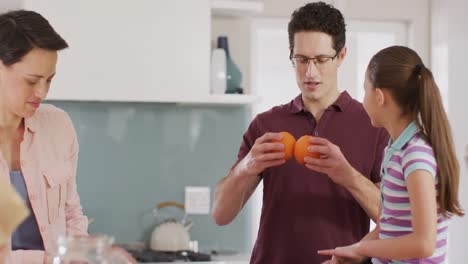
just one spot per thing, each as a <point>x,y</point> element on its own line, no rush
<point>320,61</point>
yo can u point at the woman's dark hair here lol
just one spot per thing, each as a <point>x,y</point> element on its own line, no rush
<point>21,31</point>
<point>401,71</point>
<point>319,17</point>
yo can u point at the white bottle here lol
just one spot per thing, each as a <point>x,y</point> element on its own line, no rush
<point>218,71</point>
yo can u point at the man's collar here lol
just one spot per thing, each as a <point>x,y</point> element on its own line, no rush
<point>339,105</point>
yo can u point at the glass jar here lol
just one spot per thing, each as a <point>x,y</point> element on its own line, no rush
<point>87,250</point>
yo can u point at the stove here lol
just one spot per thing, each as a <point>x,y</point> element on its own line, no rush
<point>148,255</point>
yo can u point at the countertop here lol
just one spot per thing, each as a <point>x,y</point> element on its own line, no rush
<point>220,259</point>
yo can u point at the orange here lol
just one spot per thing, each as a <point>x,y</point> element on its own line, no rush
<point>300,149</point>
<point>288,141</point>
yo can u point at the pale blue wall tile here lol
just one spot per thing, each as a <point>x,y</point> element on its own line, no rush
<point>134,155</point>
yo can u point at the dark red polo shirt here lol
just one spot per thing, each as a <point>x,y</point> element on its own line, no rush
<point>304,211</point>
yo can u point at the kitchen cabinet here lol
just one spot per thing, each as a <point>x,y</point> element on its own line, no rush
<point>143,51</point>
<point>232,18</point>
<point>235,8</point>
<point>140,51</point>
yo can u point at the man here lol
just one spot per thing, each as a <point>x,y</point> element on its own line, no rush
<point>326,203</point>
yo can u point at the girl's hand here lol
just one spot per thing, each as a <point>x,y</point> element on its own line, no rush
<point>343,255</point>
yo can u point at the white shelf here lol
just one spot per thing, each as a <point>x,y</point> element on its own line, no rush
<point>221,99</point>
<point>213,99</point>
<point>235,8</point>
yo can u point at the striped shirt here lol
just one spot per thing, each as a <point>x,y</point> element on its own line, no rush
<point>408,153</point>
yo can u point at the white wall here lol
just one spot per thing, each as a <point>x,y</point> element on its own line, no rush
<point>6,5</point>
<point>449,41</point>
<point>415,12</point>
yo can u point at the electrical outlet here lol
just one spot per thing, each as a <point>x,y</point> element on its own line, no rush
<point>197,200</point>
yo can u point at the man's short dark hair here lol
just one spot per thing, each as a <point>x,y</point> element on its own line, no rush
<point>318,17</point>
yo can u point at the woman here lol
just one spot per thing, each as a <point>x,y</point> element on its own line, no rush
<point>38,144</point>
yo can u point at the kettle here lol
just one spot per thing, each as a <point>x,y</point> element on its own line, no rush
<point>171,234</point>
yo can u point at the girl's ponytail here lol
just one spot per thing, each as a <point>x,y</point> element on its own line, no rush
<point>434,121</point>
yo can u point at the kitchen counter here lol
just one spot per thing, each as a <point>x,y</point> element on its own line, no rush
<point>232,259</point>
<point>202,262</point>
<point>220,259</point>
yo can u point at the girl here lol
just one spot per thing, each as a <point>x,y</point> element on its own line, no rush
<point>420,172</point>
